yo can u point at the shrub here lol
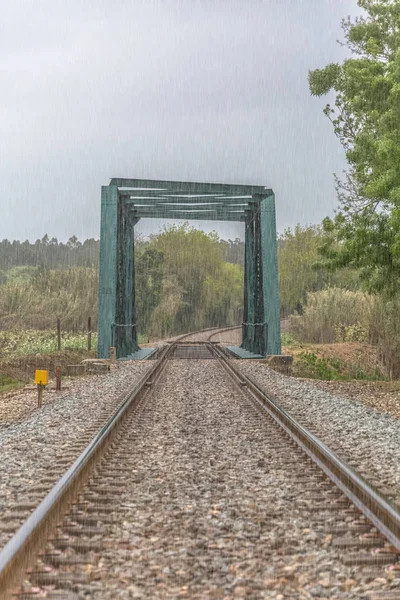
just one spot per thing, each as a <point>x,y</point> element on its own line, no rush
<point>287,339</point>
<point>337,315</point>
<point>21,343</point>
<point>309,365</point>
<point>331,314</point>
<point>385,333</point>
<point>35,303</point>
<point>351,333</point>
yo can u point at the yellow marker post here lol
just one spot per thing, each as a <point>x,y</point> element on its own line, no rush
<point>41,379</point>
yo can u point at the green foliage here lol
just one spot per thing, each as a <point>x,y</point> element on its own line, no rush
<point>148,281</point>
<point>287,339</point>
<point>351,333</point>
<point>366,118</point>
<point>337,315</point>
<point>223,295</point>
<point>309,365</point>
<point>327,311</point>
<point>182,282</point>
<point>21,273</point>
<point>365,242</point>
<point>36,303</point>
<point>321,81</point>
<point>143,339</point>
<point>233,251</point>
<point>18,343</point>
<point>385,332</point>
<point>163,318</point>
<point>49,253</point>
<point>300,268</point>
<point>8,383</point>
<point>190,284</point>
<point>313,367</point>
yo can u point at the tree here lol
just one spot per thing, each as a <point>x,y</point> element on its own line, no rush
<point>183,282</point>
<point>366,119</point>
<point>73,242</point>
<point>233,251</point>
<point>148,284</point>
<point>300,268</point>
<point>49,253</point>
<point>191,256</point>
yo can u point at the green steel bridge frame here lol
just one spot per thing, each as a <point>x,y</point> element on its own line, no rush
<point>125,201</point>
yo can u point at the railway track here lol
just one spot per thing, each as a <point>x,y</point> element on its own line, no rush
<point>204,335</point>
<point>183,462</point>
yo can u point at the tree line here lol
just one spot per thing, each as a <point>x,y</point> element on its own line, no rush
<point>48,253</point>
<point>185,279</point>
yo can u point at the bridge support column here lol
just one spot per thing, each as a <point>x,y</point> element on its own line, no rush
<point>260,323</point>
<point>117,314</point>
<point>253,328</point>
<point>125,322</point>
<point>270,274</point>
<point>108,269</point>
<point>261,316</point>
<point>249,277</point>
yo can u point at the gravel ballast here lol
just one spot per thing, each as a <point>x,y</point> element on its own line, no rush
<point>28,448</point>
<point>214,503</point>
<point>366,438</point>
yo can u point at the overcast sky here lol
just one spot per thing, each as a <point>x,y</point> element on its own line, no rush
<point>200,90</point>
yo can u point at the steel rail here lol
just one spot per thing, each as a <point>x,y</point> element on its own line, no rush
<point>18,553</point>
<point>223,331</point>
<point>215,330</point>
<point>384,515</point>
<point>181,337</point>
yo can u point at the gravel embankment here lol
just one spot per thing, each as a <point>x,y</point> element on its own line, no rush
<point>367,438</point>
<point>383,396</point>
<point>216,505</point>
<point>29,447</point>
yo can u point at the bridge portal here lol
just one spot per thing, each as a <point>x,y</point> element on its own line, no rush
<point>125,201</point>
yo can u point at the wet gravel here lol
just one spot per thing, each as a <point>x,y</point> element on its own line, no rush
<point>214,505</point>
<point>367,438</point>
<point>30,447</point>
<point>383,396</point>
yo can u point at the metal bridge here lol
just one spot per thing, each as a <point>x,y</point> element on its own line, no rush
<point>125,201</point>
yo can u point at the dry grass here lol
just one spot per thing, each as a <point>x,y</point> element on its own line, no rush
<point>347,360</point>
